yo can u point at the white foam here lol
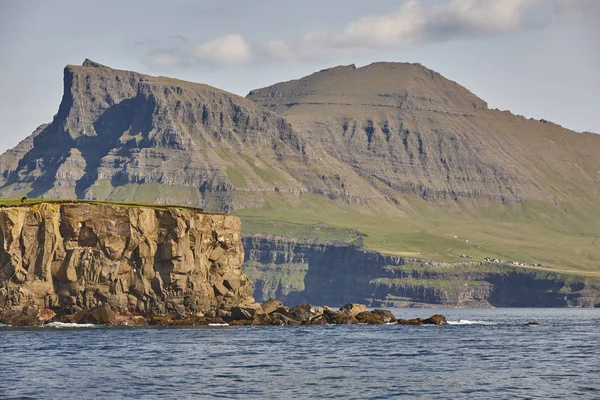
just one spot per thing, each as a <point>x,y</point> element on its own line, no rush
<point>216,324</point>
<point>61,325</point>
<point>467,322</point>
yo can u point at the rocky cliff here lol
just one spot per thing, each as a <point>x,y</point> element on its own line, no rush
<point>148,260</point>
<point>334,273</point>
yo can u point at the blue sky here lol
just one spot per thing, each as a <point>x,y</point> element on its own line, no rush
<point>538,58</point>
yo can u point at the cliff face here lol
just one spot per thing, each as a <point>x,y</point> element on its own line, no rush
<point>141,259</point>
<point>122,135</point>
<point>297,272</point>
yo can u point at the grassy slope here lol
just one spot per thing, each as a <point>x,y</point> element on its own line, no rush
<point>562,237</point>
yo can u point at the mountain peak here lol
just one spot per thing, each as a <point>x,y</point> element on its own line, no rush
<point>93,64</point>
<point>375,88</point>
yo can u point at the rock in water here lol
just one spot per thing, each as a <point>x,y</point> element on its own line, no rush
<point>145,260</point>
<point>436,319</point>
<point>353,309</point>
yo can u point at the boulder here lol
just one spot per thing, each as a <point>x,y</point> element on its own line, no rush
<point>371,318</point>
<point>19,318</point>
<point>242,313</point>
<point>285,320</point>
<point>436,319</point>
<point>353,309</point>
<point>101,315</point>
<point>45,314</point>
<point>533,323</point>
<point>414,321</point>
<point>386,314</point>
<point>301,313</point>
<point>271,305</point>
<point>339,317</point>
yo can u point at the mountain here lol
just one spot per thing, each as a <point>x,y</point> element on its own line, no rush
<point>407,129</point>
<point>124,135</point>
<point>389,157</point>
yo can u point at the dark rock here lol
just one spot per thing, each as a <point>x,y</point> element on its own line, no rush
<point>242,313</point>
<point>533,323</point>
<point>101,315</point>
<point>436,319</point>
<point>371,318</point>
<point>386,314</point>
<point>414,321</point>
<point>285,320</point>
<point>339,317</point>
<point>301,313</point>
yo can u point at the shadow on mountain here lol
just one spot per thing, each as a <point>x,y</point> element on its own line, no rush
<point>109,127</point>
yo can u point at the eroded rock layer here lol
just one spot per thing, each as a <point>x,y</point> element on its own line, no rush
<point>152,260</point>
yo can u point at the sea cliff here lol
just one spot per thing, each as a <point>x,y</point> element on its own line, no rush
<point>136,259</point>
<point>297,271</point>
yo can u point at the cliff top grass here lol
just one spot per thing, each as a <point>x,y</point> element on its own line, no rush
<point>12,202</point>
<point>563,237</point>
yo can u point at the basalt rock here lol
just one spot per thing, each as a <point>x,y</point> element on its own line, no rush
<point>271,305</point>
<point>91,259</point>
<point>436,319</point>
<point>370,318</point>
<point>353,309</point>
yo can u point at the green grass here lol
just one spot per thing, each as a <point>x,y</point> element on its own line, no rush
<point>562,236</point>
<point>12,202</point>
<point>235,177</point>
<point>437,284</point>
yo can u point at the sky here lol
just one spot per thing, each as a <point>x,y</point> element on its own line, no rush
<point>537,58</point>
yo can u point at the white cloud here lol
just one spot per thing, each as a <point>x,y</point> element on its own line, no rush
<point>413,22</point>
<point>225,50</point>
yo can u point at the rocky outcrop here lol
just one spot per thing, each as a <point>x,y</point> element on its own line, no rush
<point>305,314</point>
<point>68,257</point>
<point>296,271</point>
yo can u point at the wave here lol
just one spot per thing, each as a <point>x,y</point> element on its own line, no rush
<point>61,325</point>
<point>218,324</point>
<point>467,322</point>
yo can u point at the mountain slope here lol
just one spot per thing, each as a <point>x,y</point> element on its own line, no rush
<point>406,129</point>
<point>121,134</point>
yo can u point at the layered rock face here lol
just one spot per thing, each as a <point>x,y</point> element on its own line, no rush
<point>117,131</point>
<point>406,129</point>
<point>328,273</point>
<point>147,260</point>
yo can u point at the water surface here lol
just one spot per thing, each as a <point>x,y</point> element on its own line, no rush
<point>485,353</point>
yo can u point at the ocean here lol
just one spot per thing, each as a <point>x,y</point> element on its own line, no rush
<point>481,354</point>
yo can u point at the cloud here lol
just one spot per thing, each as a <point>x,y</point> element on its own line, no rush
<point>413,22</point>
<point>176,52</point>
<point>225,50</point>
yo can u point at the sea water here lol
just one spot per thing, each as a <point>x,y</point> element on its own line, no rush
<point>481,354</point>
